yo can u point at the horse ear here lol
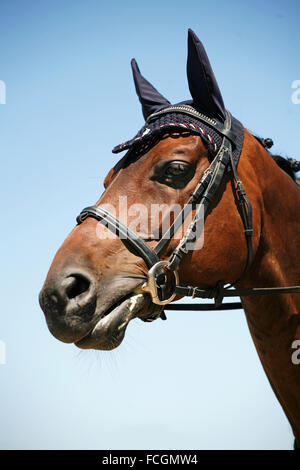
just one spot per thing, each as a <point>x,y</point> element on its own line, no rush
<point>202,82</point>
<point>149,97</point>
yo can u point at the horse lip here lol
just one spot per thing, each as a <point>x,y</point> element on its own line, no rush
<point>110,328</point>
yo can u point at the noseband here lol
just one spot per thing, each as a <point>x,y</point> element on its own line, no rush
<point>163,280</point>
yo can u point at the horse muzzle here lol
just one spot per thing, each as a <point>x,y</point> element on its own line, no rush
<point>78,310</point>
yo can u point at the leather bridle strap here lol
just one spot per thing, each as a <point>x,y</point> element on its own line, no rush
<point>209,182</point>
<point>219,292</point>
<point>203,307</point>
<point>214,174</point>
<point>194,199</point>
<point>245,210</point>
<point>128,236</point>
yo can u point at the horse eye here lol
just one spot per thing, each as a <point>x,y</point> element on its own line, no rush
<point>176,169</point>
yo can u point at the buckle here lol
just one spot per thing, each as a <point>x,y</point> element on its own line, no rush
<point>152,287</point>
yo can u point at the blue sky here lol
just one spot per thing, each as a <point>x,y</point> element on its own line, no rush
<point>195,381</point>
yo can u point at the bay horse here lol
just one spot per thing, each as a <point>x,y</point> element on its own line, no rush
<point>236,199</point>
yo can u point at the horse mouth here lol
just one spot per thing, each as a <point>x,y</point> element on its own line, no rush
<point>109,331</point>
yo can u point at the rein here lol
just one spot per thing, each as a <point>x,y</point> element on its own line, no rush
<point>158,284</point>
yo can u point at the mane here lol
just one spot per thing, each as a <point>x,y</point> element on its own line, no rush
<point>289,165</point>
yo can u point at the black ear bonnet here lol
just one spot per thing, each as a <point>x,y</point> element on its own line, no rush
<point>187,116</point>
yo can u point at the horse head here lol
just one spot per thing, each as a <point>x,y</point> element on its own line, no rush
<point>99,278</point>
<point>92,289</point>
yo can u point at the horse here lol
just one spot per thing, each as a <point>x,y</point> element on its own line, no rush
<point>241,238</point>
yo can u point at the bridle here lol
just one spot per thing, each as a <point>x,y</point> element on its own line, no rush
<point>163,280</point>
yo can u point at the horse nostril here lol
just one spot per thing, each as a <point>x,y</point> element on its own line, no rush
<point>77,284</point>
<point>68,300</point>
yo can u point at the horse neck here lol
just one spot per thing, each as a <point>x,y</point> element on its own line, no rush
<point>274,320</point>
<point>277,260</point>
